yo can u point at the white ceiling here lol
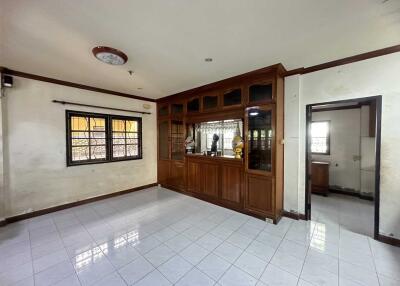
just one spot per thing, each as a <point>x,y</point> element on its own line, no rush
<point>167,41</point>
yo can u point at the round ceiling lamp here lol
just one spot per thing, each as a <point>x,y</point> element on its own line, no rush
<point>109,55</point>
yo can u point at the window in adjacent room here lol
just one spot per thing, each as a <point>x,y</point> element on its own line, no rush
<point>320,137</point>
<point>99,138</point>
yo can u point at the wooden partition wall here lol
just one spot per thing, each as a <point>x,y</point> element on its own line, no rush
<point>252,184</point>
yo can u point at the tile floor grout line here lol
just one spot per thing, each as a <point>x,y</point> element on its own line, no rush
<point>308,249</point>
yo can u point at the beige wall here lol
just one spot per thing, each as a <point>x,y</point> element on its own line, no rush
<point>377,76</point>
<point>36,175</point>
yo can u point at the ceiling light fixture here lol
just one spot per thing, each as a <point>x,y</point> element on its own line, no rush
<point>109,55</point>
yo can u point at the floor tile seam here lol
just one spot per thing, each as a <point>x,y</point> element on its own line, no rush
<point>304,261</point>
<point>269,262</point>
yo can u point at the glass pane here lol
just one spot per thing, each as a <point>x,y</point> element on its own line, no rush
<point>118,141</point>
<point>79,123</point>
<point>163,140</point>
<point>177,108</point>
<point>193,105</point>
<point>131,126</point>
<point>210,102</point>
<point>132,135</point>
<point>118,138</point>
<point>260,92</point>
<point>97,124</point>
<point>177,146</point>
<point>118,125</point>
<point>80,138</point>
<point>132,141</point>
<point>233,97</point>
<point>163,110</point>
<point>97,141</point>
<point>98,152</point>
<point>118,151</point>
<point>221,133</point>
<point>132,150</point>
<point>80,153</point>
<point>259,140</point>
<point>319,137</point>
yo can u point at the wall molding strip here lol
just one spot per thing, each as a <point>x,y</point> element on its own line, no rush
<point>71,84</point>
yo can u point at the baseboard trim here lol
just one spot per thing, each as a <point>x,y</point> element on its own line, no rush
<point>389,240</point>
<point>73,204</point>
<point>349,192</point>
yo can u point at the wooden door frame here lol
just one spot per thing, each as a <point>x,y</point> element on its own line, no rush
<point>378,102</point>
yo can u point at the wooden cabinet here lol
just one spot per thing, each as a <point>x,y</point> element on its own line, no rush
<point>259,195</point>
<point>253,185</point>
<point>320,178</point>
<point>176,176</point>
<point>231,185</point>
<point>215,179</point>
<point>171,135</point>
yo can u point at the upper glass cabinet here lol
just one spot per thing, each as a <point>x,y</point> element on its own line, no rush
<point>232,97</point>
<point>177,140</point>
<point>176,108</point>
<point>163,110</point>
<point>193,105</point>
<point>260,92</point>
<point>259,139</point>
<point>163,140</point>
<point>210,102</point>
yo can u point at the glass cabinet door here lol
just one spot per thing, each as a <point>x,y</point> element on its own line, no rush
<point>163,137</point>
<point>163,110</point>
<point>193,105</point>
<point>259,139</point>
<point>261,92</point>
<point>232,98</point>
<point>177,138</point>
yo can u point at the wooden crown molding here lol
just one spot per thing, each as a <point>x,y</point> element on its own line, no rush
<point>344,61</point>
<point>71,84</point>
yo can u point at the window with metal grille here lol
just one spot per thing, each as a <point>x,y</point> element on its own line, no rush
<point>320,137</point>
<point>98,138</point>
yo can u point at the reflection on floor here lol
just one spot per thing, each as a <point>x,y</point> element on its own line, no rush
<point>351,213</point>
<point>159,237</point>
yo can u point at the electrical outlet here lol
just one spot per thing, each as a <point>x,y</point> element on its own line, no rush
<point>269,220</point>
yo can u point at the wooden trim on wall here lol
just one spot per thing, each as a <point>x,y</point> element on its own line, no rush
<point>73,204</point>
<point>354,106</point>
<point>389,240</point>
<point>71,84</point>
<point>344,61</point>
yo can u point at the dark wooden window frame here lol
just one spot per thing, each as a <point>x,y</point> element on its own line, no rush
<point>108,137</point>
<point>328,139</point>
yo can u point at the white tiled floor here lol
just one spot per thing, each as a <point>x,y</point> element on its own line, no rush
<point>159,237</point>
<point>351,213</point>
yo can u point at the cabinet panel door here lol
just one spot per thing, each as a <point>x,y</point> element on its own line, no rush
<point>193,177</point>
<point>259,194</point>
<point>231,183</point>
<point>209,174</point>
<point>176,175</point>
<point>163,171</point>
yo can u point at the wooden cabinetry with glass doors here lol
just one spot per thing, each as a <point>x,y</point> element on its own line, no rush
<point>250,105</point>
